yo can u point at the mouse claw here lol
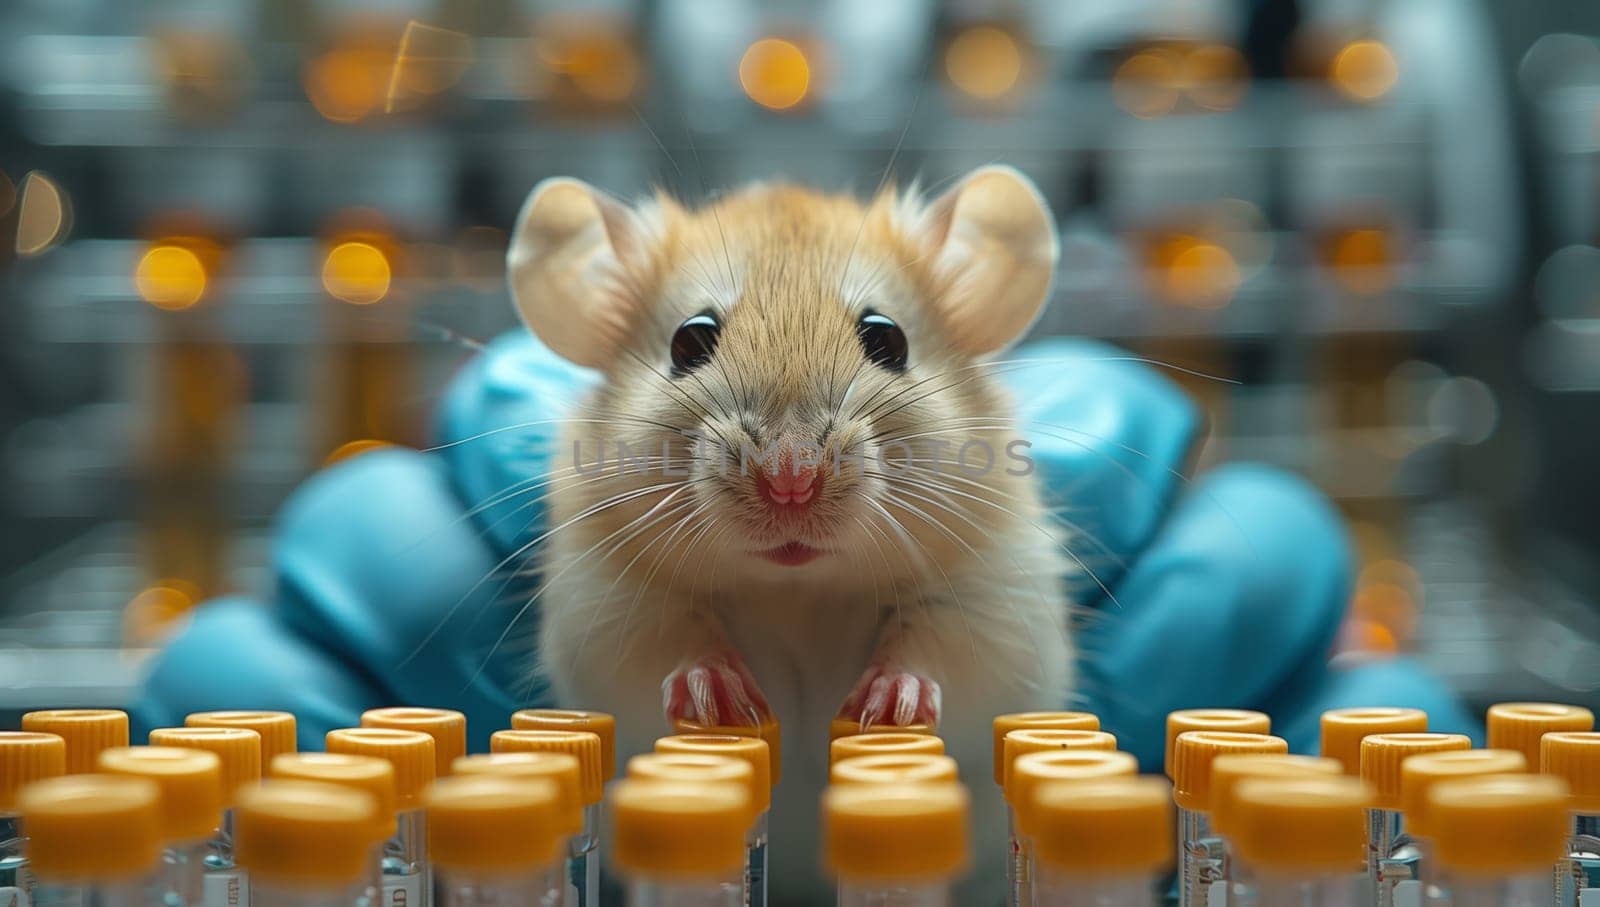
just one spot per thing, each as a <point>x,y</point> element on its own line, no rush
<point>714,690</point>
<point>899,698</point>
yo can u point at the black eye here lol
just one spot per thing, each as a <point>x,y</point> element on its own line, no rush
<point>883,341</point>
<point>693,342</point>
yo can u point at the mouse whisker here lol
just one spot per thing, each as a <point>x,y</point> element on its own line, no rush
<point>955,596</point>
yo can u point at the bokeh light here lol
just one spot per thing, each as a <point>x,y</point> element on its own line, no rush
<point>1361,260</point>
<point>1364,70</point>
<point>592,57</point>
<point>430,60</point>
<point>354,448</point>
<point>170,276</point>
<point>1196,272</point>
<point>356,272</point>
<point>155,610</point>
<point>985,61</point>
<point>775,73</point>
<point>45,217</point>
<point>1215,76</point>
<point>1146,84</point>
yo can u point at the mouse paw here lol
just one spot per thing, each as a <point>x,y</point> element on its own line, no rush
<point>714,690</point>
<point>884,695</point>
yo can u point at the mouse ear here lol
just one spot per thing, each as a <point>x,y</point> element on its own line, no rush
<point>994,248</point>
<point>571,265</point>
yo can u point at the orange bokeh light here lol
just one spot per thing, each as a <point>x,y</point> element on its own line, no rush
<point>1195,272</point>
<point>775,73</point>
<point>1146,84</point>
<point>354,449</point>
<point>356,272</point>
<point>985,62</point>
<point>1361,260</point>
<point>171,276</point>
<point>1364,70</point>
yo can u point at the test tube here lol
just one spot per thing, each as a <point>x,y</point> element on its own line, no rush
<point>277,729</point>
<point>597,723</point>
<point>191,809</point>
<point>1021,738</point>
<point>1243,721</point>
<point>1418,775</point>
<point>308,844</point>
<point>1300,842</point>
<point>1029,770</point>
<point>845,727</point>
<point>679,843</point>
<point>447,727</point>
<point>900,844</point>
<point>589,748</point>
<point>1101,843</point>
<point>875,744</point>
<point>1520,725</point>
<point>1202,855</point>
<point>404,866</point>
<point>93,840</point>
<point>1574,757</point>
<point>25,757</point>
<point>1391,854</point>
<point>368,774</point>
<point>1496,837</point>
<point>1344,729</point>
<point>1021,721</point>
<point>86,731</point>
<point>560,769</point>
<point>497,840</point>
<point>768,730</point>
<point>1227,771</point>
<point>755,752</point>
<point>238,751</point>
<point>893,768</point>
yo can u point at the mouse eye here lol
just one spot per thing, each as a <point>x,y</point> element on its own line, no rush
<point>883,341</point>
<point>693,343</point>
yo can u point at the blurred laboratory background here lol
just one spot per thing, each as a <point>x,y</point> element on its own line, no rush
<point>243,239</point>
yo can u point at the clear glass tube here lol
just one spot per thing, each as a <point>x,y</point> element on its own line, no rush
<point>1266,889</point>
<point>269,895</point>
<point>1529,890</point>
<point>755,864</point>
<point>1578,875</point>
<point>1203,861</point>
<point>406,881</point>
<point>1058,888</point>
<point>713,892</point>
<point>141,891</point>
<point>183,872</point>
<point>894,894</point>
<point>583,862</point>
<point>541,888</point>
<point>1394,862</point>
<point>224,883</point>
<point>15,879</point>
<point>1019,864</point>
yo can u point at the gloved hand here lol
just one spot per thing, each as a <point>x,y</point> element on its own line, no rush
<point>401,575</point>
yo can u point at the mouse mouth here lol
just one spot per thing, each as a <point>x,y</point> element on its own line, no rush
<point>791,554</point>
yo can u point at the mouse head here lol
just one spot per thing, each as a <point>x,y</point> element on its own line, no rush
<point>813,363</point>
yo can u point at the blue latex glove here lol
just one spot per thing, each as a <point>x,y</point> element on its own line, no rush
<point>398,576</point>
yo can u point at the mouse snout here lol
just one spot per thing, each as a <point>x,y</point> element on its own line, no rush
<point>790,483</point>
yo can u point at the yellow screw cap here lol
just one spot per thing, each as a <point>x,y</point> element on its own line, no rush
<point>844,727</point>
<point>1499,824</point>
<point>1031,770</point>
<point>750,749</point>
<point>598,723</point>
<point>678,829</point>
<point>1242,721</point>
<point>1381,755</point>
<point>410,753</point>
<point>1228,771</point>
<point>560,769</point>
<point>893,768</point>
<point>277,729</point>
<point>1574,756</point>
<point>1109,826</point>
<point>585,746</point>
<point>902,832</point>
<point>769,730</point>
<point>1519,725</point>
<point>698,768</point>
<point>26,757</point>
<point>86,731</point>
<point>1419,774</point>
<point>370,774</point>
<point>1021,743</point>
<point>494,823</point>
<point>190,782</point>
<point>304,832</point>
<point>1022,721</point>
<point>447,727</point>
<point>1343,729</point>
<point>1193,753</point>
<point>874,744</point>
<point>238,749</point>
<point>1302,826</point>
<point>84,828</point>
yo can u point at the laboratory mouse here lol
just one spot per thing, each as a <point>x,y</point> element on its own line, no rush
<point>798,489</point>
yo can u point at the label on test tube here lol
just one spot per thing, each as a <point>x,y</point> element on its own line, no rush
<point>225,888</point>
<point>403,890</point>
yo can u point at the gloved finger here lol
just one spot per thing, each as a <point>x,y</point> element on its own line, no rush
<point>1111,438</point>
<point>1244,584</point>
<point>1297,712</point>
<point>377,559</point>
<point>499,426</point>
<point>234,655</point>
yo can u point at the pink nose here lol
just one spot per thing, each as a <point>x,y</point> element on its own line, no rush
<point>789,484</point>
